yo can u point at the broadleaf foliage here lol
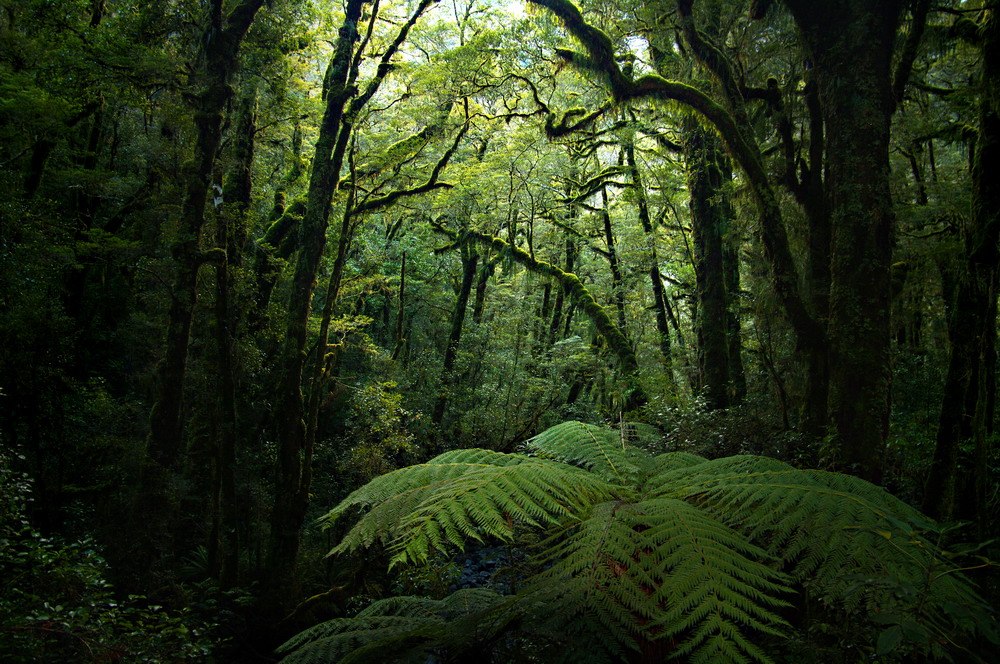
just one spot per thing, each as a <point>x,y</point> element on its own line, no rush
<point>673,554</point>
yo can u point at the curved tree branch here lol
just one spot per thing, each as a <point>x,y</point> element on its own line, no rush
<point>601,59</point>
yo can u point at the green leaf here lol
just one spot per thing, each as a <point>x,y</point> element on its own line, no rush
<point>889,640</point>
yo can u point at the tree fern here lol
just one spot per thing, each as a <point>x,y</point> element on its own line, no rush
<point>688,557</point>
<point>820,523</point>
<point>461,495</point>
<point>412,626</point>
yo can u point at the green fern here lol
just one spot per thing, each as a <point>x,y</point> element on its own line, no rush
<point>462,495</point>
<point>415,627</point>
<point>675,552</point>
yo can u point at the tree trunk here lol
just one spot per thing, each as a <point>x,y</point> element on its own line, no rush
<point>731,267</point>
<point>295,442</point>
<point>617,286</point>
<point>294,465</point>
<point>478,304</point>
<point>555,326</point>
<point>400,309</point>
<point>220,59</point>
<point>469,261</point>
<point>811,194</point>
<point>710,216</point>
<point>970,386</point>
<point>851,45</point>
<point>232,234</point>
<point>155,505</point>
<point>655,281</point>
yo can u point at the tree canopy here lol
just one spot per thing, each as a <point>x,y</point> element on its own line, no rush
<point>629,293</point>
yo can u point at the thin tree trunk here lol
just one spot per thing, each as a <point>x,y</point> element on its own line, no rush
<point>655,281</point>
<point>469,261</point>
<point>617,286</point>
<point>232,235</point>
<point>401,309</point>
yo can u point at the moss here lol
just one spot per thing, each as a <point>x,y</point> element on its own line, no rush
<point>572,285</point>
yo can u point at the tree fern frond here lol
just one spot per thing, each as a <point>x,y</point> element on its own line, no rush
<point>827,526</point>
<point>668,461</point>
<point>461,601</point>
<point>671,567</point>
<point>333,640</point>
<point>488,501</point>
<point>590,446</point>
<point>413,480</point>
<point>462,495</point>
<point>713,582</point>
<point>642,434</point>
<point>672,552</point>
<point>397,629</point>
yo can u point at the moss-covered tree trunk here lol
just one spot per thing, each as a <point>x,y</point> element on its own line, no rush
<point>154,508</point>
<point>479,302</point>
<point>850,43</point>
<point>294,464</point>
<point>810,190</point>
<point>295,440</point>
<point>558,313</point>
<point>970,386</point>
<point>731,267</point>
<point>614,263</point>
<point>218,61</point>
<point>710,217</point>
<point>279,239</point>
<point>231,237</point>
<point>400,310</point>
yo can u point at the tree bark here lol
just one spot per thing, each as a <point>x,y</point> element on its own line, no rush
<point>231,237</point>
<point>479,303</point>
<point>155,505</point>
<point>295,441</point>
<point>400,309</point>
<point>710,217</point>
<point>556,325</point>
<point>617,283</point>
<point>851,46</point>
<point>731,267</point>
<point>294,465</point>
<point>970,386</point>
<point>219,60</point>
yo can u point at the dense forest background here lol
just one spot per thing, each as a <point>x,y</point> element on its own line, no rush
<point>255,254</point>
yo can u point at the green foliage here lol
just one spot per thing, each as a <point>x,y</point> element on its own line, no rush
<point>421,626</point>
<point>56,604</point>
<point>696,557</point>
<point>377,430</point>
